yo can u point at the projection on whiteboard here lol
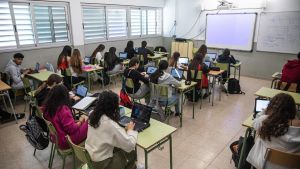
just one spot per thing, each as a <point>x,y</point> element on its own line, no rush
<point>233,31</point>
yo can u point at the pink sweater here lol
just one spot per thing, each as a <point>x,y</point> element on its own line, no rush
<point>65,125</point>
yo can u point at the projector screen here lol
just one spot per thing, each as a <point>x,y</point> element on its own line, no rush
<point>233,31</point>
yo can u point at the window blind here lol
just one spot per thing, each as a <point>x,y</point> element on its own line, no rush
<point>116,22</point>
<point>94,23</point>
<point>7,36</point>
<point>151,29</point>
<point>60,25</point>
<point>135,22</point>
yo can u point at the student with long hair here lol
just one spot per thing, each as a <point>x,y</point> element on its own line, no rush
<point>97,56</point>
<point>112,62</point>
<point>76,66</point>
<point>173,61</point>
<point>63,60</point>
<point>130,50</point>
<point>56,109</point>
<point>109,145</point>
<point>278,128</point>
<point>140,90</point>
<point>160,76</point>
<point>202,50</point>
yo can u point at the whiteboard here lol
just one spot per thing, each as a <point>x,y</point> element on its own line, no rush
<point>230,30</point>
<point>279,32</point>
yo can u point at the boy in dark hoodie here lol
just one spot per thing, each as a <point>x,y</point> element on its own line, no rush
<point>291,71</point>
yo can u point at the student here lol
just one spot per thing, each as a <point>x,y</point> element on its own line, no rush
<point>291,71</point>
<point>202,50</point>
<point>112,62</point>
<point>97,56</point>
<point>140,90</point>
<point>160,76</point>
<point>14,71</point>
<point>226,58</point>
<point>173,61</point>
<point>109,145</point>
<point>76,67</point>
<point>130,50</point>
<point>56,110</point>
<point>197,64</point>
<point>278,128</point>
<point>145,52</point>
<point>63,60</point>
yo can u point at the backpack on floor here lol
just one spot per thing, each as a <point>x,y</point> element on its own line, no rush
<point>236,148</point>
<point>234,86</point>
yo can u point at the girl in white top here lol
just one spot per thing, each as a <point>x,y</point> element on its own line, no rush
<point>109,145</point>
<point>97,56</point>
<point>278,128</point>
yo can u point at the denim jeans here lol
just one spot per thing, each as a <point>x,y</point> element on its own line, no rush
<point>174,99</point>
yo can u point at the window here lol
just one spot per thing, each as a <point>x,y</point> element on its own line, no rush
<point>43,24</point>
<point>7,36</point>
<point>60,24</point>
<point>151,23</point>
<point>94,24</point>
<point>158,21</point>
<point>116,22</point>
<point>144,22</point>
<point>135,22</point>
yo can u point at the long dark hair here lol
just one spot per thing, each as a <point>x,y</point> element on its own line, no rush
<point>108,104</point>
<point>226,52</point>
<point>163,65</point>
<point>99,48</point>
<point>58,96</point>
<point>174,59</point>
<point>197,60</point>
<point>202,50</point>
<point>281,109</point>
<point>129,44</point>
<point>67,50</point>
<point>76,61</point>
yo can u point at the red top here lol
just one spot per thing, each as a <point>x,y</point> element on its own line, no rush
<point>291,72</point>
<point>63,64</point>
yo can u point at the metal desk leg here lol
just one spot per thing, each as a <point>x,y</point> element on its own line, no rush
<point>171,160</point>
<point>89,81</point>
<point>240,71</point>
<point>146,159</point>
<point>4,102</point>
<point>213,90</point>
<point>11,106</point>
<point>181,108</point>
<point>234,71</point>
<point>194,102</point>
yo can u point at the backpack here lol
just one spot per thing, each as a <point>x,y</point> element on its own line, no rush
<point>236,148</point>
<point>124,99</point>
<point>234,86</point>
<point>35,134</point>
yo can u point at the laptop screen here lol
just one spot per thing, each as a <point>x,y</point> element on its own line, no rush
<point>207,64</point>
<point>86,59</point>
<point>261,104</point>
<point>183,60</point>
<point>176,73</point>
<point>123,55</point>
<point>151,69</point>
<point>212,56</point>
<point>81,91</point>
<point>141,112</point>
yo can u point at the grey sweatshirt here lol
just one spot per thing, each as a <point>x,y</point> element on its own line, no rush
<point>167,79</point>
<point>14,72</point>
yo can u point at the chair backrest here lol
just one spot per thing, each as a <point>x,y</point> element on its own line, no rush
<point>49,67</point>
<point>27,86</point>
<point>198,75</point>
<point>68,72</point>
<point>81,153</point>
<point>129,83</point>
<point>222,66</point>
<point>282,158</point>
<point>160,49</point>
<point>39,112</point>
<point>52,130</point>
<point>159,91</point>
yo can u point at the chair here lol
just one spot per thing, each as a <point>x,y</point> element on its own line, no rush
<point>197,76</point>
<point>160,49</point>
<point>49,67</point>
<point>82,154</point>
<point>16,92</point>
<point>141,58</point>
<point>62,153</point>
<point>282,158</point>
<point>225,67</point>
<point>29,93</point>
<point>112,76</point>
<point>69,75</point>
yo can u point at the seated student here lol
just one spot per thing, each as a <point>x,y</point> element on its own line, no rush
<point>291,71</point>
<point>14,71</point>
<point>160,76</point>
<point>202,50</point>
<point>76,67</point>
<point>56,110</point>
<point>97,56</point>
<point>63,60</point>
<point>130,50</point>
<point>278,128</point>
<point>226,58</point>
<point>109,145</point>
<point>145,52</point>
<point>173,62</point>
<point>112,62</point>
<point>197,64</point>
<point>140,90</point>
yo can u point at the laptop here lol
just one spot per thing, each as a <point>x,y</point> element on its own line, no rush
<point>183,60</point>
<point>84,103</point>
<point>260,105</point>
<point>177,73</point>
<point>36,69</point>
<point>207,64</point>
<point>140,115</point>
<point>151,69</point>
<point>81,91</point>
<point>123,55</point>
<point>212,56</point>
<point>87,60</point>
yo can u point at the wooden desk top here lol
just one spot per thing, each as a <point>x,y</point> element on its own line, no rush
<point>41,76</point>
<point>270,93</point>
<point>4,86</point>
<point>91,68</point>
<point>237,64</point>
<point>157,56</point>
<point>215,73</point>
<point>248,122</point>
<point>184,87</point>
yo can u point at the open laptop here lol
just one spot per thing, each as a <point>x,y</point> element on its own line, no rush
<point>140,115</point>
<point>87,60</point>
<point>260,105</point>
<point>207,64</point>
<point>212,56</point>
<point>177,73</point>
<point>151,69</point>
<point>123,55</point>
<point>183,60</point>
<point>81,91</point>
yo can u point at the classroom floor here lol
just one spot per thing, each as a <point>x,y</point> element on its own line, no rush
<point>202,143</point>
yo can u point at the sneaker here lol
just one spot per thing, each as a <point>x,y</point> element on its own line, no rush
<point>20,115</point>
<point>140,166</point>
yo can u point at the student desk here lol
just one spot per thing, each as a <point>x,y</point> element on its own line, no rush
<point>237,66</point>
<point>89,69</point>
<point>269,93</point>
<point>42,76</point>
<point>126,62</point>
<point>214,75</point>
<point>4,93</point>
<point>276,76</point>
<point>182,90</point>
<point>153,137</point>
<point>157,56</point>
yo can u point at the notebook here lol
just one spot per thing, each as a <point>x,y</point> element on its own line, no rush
<point>140,115</point>
<point>123,55</point>
<point>183,60</point>
<point>177,73</point>
<point>260,104</point>
<point>212,56</point>
<point>151,69</point>
<point>84,103</point>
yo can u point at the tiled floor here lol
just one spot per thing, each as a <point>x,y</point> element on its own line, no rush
<point>202,143</point>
